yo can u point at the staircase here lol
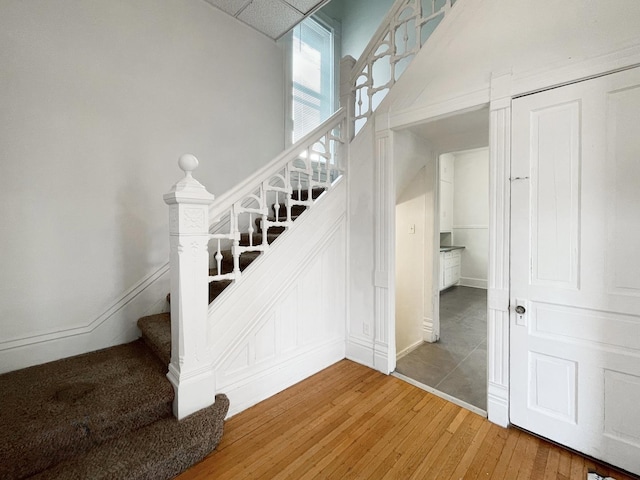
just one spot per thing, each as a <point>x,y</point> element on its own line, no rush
<point>108,414</point>
<point>101,415</point>
<point>111,414</point>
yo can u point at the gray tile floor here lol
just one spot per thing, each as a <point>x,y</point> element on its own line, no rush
<point>457,363</point>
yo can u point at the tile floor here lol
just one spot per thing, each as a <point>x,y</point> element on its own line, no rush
<point>457,363</point>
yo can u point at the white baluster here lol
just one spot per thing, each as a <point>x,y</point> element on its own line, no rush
<point>219,259</point>
<point>299,187</point>
<point>276,207</point>
<point>250,230</point>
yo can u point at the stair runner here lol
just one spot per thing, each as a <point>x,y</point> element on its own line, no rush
<point>108,414</point>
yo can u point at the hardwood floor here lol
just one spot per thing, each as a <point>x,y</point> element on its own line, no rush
<point>350,422</point>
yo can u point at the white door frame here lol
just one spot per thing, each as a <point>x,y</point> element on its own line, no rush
<point>498,95</point>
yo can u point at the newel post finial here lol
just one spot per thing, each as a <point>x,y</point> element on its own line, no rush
<point>188,163</point>
<point>191,368</point>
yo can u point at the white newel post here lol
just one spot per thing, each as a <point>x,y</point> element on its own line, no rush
<point>347,96</point>
<point>190,371</point>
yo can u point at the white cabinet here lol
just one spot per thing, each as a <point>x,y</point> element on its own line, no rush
<point>449,268</point>
<point>446,192</point>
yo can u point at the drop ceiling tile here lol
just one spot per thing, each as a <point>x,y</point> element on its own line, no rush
<point>232,7</point>
<point>272,17</point>
<point>304,5</point>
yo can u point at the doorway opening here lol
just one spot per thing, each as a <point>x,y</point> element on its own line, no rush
<point>442,250</point>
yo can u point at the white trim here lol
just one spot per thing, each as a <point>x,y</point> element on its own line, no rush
<point>406,351</point>
<point>262,385</point>
<point>429,333</point>
<point>360,350</point>
<point>474,282</point>
<point>125,299</point>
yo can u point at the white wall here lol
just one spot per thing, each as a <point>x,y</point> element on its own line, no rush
<point>476,40</point>
<point>414,172</point>
<point>471,215</point>
<point>98,100</point>
<point>481,38</point>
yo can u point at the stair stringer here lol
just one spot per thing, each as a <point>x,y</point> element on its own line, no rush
<point>285,320</point>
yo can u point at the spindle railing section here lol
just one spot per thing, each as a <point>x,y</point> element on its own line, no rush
<point>401,35</point>
<point>288,181</point>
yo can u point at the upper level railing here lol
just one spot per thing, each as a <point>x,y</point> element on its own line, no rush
<point>400,36</point>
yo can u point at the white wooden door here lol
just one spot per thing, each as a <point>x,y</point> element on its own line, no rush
<point>575,267</point>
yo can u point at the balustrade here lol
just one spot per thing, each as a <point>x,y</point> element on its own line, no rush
<point>401,35</point>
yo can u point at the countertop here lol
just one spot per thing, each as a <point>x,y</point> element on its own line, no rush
<point>451,247</point>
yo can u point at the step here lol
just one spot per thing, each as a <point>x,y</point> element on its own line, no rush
<point>215,289</point>
<point>159,451</point>
<point>296,211</point>
<point>304,194</point>
<point>257,238</point>
<point>61,409</point>
<point>246,258</point>
<point>156,333</point>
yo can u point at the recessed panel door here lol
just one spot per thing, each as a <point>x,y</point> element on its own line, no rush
<point>575,267</point>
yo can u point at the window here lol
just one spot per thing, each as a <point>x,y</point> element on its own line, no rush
<point>312,60</point>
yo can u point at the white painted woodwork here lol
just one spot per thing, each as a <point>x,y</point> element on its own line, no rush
<point>286,319</point>
<point>402,33</point>
<point>101,114</point>
<point>446,206</point>
<point>190,370</point>
<point>575,368</point>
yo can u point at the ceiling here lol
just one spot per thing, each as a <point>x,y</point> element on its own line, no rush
<point>458,132</point>
<point>274,18</point>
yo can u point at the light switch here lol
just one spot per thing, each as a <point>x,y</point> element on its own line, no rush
<point>412,229</point>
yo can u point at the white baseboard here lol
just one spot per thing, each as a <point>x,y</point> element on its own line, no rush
<point>408,350</point>
<point>474,282</point>
<point>116,325</point>
<point>360,350</point>
<point>428,331</point>
<point>262,385</point>
<point>498,404</point>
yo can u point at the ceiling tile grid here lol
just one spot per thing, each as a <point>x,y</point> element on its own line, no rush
<point>274,18</point>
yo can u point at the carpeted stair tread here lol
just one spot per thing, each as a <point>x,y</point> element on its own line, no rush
<point>156,333</point>
<point>296,211</point>
<point>304,194</point>
<point>216,288</point>
<point>246,258</point>
<point>159,451</point>
<point>60,409</point>
<point>257,238</point>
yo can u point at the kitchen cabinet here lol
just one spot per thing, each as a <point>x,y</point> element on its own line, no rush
<point>450,262</point>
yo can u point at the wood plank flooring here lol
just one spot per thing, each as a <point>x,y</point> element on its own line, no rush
<point>350,422</point>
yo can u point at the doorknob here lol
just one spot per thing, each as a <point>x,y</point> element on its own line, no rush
<point>520,310</point>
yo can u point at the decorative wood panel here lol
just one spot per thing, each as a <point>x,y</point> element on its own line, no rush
<point>622,423</point>
<point>552,386</point>
<point>623,160</point>
<point>555,195</point>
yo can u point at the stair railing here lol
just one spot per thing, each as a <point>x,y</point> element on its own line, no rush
<point>197,219</point>
<point>402,33</point>
<point>287,181</point>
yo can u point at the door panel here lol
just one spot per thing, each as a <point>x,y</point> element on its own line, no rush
<point>575,266</point>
